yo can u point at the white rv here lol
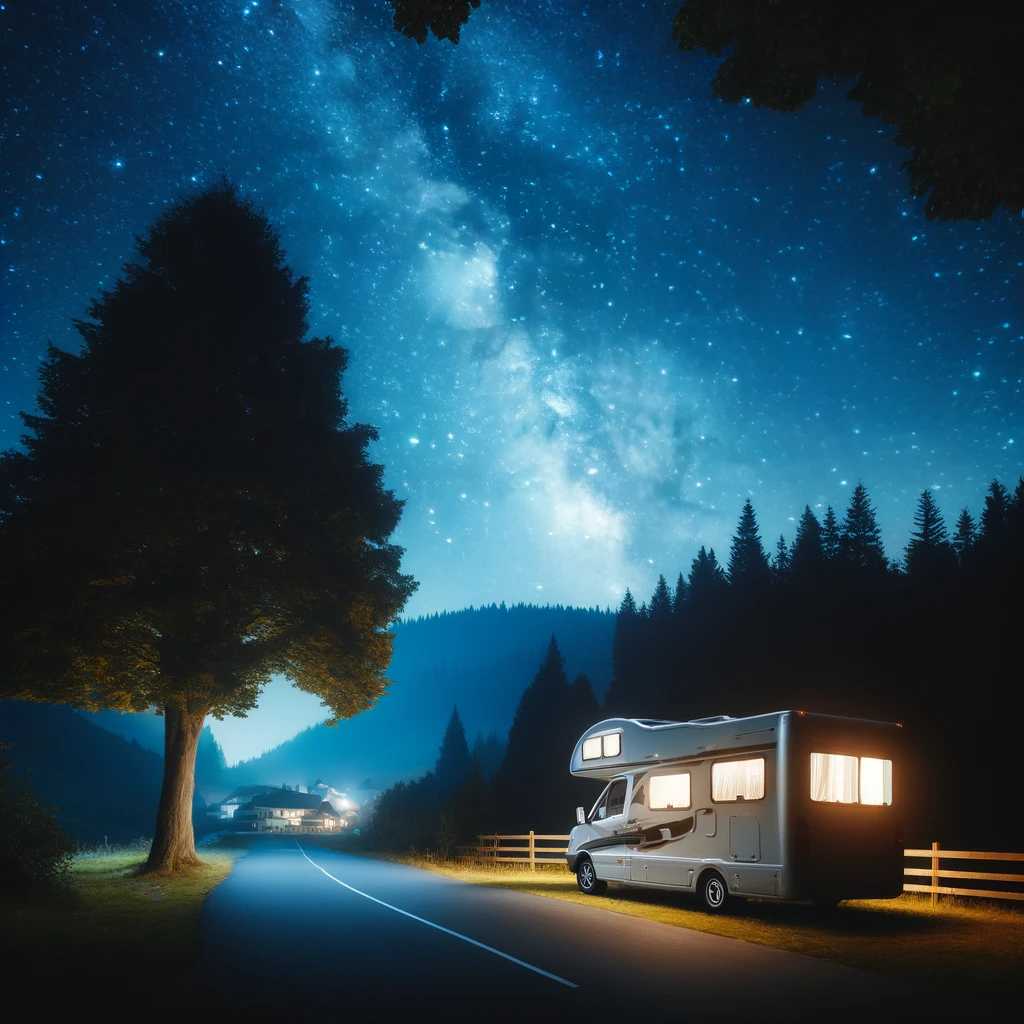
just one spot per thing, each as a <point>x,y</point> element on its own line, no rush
<point>782,806</point>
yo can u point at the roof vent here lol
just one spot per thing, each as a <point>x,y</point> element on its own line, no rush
<point>711,719</point>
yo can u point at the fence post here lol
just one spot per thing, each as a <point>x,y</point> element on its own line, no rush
<point>533,859</point>
<point>935,873</point>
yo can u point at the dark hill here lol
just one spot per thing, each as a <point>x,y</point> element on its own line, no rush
<point>101,784</point>
<point>479,659</point>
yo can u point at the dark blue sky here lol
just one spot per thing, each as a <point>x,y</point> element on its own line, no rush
<point>590,308</point>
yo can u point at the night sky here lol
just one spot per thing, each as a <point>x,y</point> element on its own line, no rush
<point>590,308</point>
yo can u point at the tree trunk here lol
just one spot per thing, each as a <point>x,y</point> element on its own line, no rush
<point>174,847</point>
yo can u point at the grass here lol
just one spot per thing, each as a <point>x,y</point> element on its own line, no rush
<point>110,928</point>
<point>959,944</point>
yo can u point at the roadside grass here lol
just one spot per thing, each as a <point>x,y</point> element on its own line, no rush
<point>109,928</point>
<point>960,943</point>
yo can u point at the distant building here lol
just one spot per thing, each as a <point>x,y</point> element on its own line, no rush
<point>273,809</point>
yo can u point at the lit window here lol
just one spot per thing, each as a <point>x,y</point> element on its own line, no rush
<point>670,792</point>
<point>834,778</point>
<point>738,780</point>
<point>875,781</point>
<point>843,779</point>
<point>612,744</point>
<point>592,748</point>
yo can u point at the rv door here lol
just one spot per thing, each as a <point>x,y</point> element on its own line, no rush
<point>607,819</point>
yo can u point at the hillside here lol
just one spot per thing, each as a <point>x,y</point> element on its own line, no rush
<point>102,784</point>
<point>479,659</point>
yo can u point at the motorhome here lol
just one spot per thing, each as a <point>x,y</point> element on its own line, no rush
<point>782,806</point>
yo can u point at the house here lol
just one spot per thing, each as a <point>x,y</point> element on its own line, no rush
<point>274,809</point>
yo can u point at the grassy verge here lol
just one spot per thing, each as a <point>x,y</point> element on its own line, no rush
<point>959,943</point>
<point>110,931</point>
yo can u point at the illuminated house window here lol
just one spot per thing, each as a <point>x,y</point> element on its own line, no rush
<point>842,779</point>
<point>738,780</point>
<point>670,792</point>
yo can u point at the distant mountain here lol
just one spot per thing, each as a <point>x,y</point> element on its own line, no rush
<point>102,784</point>
<point>479,659</point>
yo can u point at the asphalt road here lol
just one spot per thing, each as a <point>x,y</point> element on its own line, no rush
<point>309,933</point>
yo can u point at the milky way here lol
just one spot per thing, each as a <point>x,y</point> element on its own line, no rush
<point>590,308</point>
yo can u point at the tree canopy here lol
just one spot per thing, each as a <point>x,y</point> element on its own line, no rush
<point>191,512</point>
<point>945,76</point>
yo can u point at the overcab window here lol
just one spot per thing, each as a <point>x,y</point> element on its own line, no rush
<point>602,746</point>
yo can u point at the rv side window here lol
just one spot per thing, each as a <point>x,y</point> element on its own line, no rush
<point>843,779</point>
<point>670,792</point>
<point>592,748</point>
<point>738,780</point>
<point>611,803</point>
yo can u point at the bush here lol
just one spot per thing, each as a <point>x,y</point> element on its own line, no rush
<point>35,852</point>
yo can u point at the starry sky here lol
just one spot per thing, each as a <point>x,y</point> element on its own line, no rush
<point>590,308</point>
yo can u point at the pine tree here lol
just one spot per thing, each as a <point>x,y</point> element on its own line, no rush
<point>192,512</point>
<point>626,656</point>
<point>861,541</point>
<point>830,536</point>
<point>748,564</point>
<point>964,537</point>
<point>808,554</point>
<point>488,752</point>
<point>453,760</point>
<point>993,530</point>
<point>929,551</point>
<point>679,603</point>
<point>661,601</point>
<point>707,580</point>
<point>782,563</point>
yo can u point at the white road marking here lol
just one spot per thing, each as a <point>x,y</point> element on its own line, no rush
<point>440,928</point>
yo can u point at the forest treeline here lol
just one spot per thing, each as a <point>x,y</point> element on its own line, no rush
<point>826,622</point>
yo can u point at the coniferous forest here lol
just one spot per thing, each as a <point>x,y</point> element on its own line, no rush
<point>827,621</point>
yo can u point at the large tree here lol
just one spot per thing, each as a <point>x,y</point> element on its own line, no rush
<point>748,564</point>
<point>944,75</point>
<point>860,545</point>
<point>192,512</point>
<point>929,551</point>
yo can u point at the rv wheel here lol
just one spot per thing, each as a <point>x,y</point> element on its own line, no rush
<point>587,880</point>
<point>711,892</point>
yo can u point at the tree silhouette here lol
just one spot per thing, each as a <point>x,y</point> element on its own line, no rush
<point>453,760</point>
<point>661,601</point>
<point>929,551</point>
<point>830,536</point>
<point>707,580</point>
<point>964,537</point>
<point>748,564</point>
<point>948,83</point>
<point>993,530</point>
<point>782,563</point>
<point>682,590</point>
<point>192,513</point>
<point>445,18</point>
<point>861,541</point>
<point>808,554</point>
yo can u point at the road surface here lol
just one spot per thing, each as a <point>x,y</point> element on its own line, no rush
<point>308,932</point>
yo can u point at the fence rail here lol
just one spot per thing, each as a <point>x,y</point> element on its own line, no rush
<point>535,848</point>
<point>935,871</point>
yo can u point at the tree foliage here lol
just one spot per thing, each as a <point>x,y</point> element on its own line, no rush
<point>945,77</point>
<point>191,512</point>
<point>35,852</point>
<point>445,18</point>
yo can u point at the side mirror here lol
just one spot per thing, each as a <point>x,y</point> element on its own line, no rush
<point>581,816</point>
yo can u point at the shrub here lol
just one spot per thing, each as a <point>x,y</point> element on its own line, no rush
<point>35,851</point>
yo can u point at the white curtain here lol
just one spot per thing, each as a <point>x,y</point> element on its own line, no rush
<point>834,778</point>
<point>733,779</point>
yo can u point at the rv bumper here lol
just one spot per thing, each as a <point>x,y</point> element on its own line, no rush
<point>570,859</point>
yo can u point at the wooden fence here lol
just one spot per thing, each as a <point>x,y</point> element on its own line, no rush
<point>534,848</point>
<point>935,871</point>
